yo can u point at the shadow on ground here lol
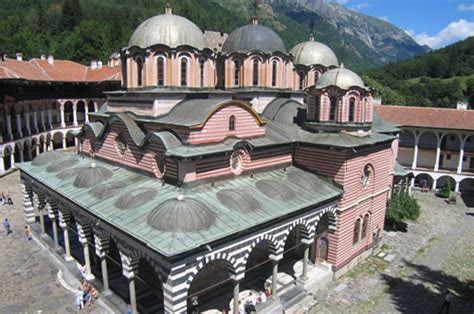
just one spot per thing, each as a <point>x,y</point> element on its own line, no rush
<point>423,291</point>
<point>468,199</point>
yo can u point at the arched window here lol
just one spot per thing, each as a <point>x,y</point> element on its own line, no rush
<point>351,109</point>
<point>365,226</point>
<point>301,80</point>
<point>201,72</point>
<point>316,76</point>
<point>232,123</point>
<point>160,71</point>
<point>255,73</point>
<point>184,72</point>
<point>317,107</point>
<point>332,109</point>
<point>356,232</point>
<point>274,73</point>
<point>236,73</point>
<point>139,71</point>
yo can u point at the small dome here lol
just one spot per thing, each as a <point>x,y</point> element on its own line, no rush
<point>170,30</point>
<point>305,180</point>
<point>135,198</point>
<point>275,189</point>
<point>313,53</point>
<point>241,201</point>
<point>69,173</point>
<point>92,176</point>
<point>108,189</point>
<point>340,77</point>
<point>46,158</point>
<point>253,37</point>
<point>181,215</point>
<point>61,164</point>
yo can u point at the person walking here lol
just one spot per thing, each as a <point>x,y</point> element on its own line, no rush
<point>8,226</point>
<point>9,198</point>
<point>27,233</point>
<point>80,299</point>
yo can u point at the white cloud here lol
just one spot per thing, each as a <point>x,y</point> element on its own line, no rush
<point>453,32</point>
<point>384,18</point>
<point>359,6</point>
<point>465,7</point>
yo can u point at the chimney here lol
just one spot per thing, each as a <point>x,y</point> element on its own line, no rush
<point>168,9</point>
<point>19,56</point>
<point>2,56</point>
<point>50,59</point>
<point>94,64</point>
<point>99,64</point>
<point>43,57</point>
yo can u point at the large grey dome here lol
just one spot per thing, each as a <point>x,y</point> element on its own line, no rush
<point>170,30</point>
<point>92,176</point>
<point>314,53</point>
<point>181,215</point>
<point>253,37</point>
<point>340,77</point>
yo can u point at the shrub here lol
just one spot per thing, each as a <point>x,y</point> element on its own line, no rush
<point>445,191</point>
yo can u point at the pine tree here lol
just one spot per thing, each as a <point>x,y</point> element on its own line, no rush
<point>71,14</point>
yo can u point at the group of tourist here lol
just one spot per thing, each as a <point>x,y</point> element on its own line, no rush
<point>251,303</point>
<point>86,295</point>
<point>8,228</point>
<point>6,199</point>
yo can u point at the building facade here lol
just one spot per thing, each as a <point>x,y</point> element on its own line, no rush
<point>42,100</point>
<point>436,145</point>
<point>208,174</point>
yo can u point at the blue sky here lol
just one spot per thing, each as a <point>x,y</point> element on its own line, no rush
<point>436,23</point>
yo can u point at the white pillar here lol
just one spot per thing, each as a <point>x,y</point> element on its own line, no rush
<point>102,250</point>
<point>18,125</point>
<point>61,111</point>
<point>461,157</point>
<point>27,123</point>
<point>304,275</point>
<point>415,153</point>
<point>412,185</point>
<point>12,159</point>
<point>74,114</point>
<point>50,119</point>
<point>52,215</point>
<point>235,308</point>
<point>37,147</point>
<point>64,142</point>
<point>22,158</point>
<point>274,279</point>
<point>433,187</point>
<point>41,217</point>
<point>86,112</point>
<point>438,152</point>
<point>63,220</point>
<point>2,165</point>
<point>456,187</point>
<point>9,127</point>
<point>83,240</point>
<point>43,125</point>
<point>28,210</point>
<point>129,269</point>
<point>35,122</point>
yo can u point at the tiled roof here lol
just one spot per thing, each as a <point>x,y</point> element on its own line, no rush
<point>439,118</point>
<point>60,70</point>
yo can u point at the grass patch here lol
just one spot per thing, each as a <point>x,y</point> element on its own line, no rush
<point>369,266</point>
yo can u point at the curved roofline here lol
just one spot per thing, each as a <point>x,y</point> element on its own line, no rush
<point>135,47</point>
<point>241,104</point>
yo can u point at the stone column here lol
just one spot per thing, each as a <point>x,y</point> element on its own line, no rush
<point>2,165</point>
<point>35,122</point>
<point>130,269</point>
<point>74,114</point>
<point>12,158</point>
<point>84,231</point>
<point>304,275</point>
<point>64,141</point>
<point>456,187</point>
<point>461,157</point>
<point>41,217</point>
<point>18,125</point>
<point>37,149</point>
<point>415,153</point>
<point>50,120</point>
<point>9,126</point>
<point>438,152</point>
<point>61,111</point>
<point>27,123</point>
<point>52,214</point>
<point>22,158</point>
<point>235,308</point>
<point>435,181</point>
<point>102,250</point>
<point>28,210</point>
<point>45,145</point>
<point>43,125</point>
<point>63,222</point>
<point>274,279</point>
<point>86,113</point>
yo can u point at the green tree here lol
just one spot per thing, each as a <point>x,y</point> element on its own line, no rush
<point>445,191</point>
<point>402,207</point>
<point>71,14</point>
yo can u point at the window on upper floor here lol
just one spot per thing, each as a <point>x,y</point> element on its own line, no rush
<point>316,76</point>
<point>274,73</point>
<point>351,109</point>
<point>139,62</point>
<point>367,174</point>
<point>201,71</point>
<point>317,107</point>
<point>255,77</point>
<point>236,73</point>
<point>184,72</point>
<point>301,80</point>
<point>232,123</point>
<point>332,108</point>
<point>160,71</point>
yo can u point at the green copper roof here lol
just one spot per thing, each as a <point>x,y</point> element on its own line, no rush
<point>400,171</point>
<point>140,217</point>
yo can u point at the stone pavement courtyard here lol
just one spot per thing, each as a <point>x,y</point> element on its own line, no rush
<point>435,253</point>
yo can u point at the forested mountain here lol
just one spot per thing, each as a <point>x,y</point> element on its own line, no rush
<point>83,30</point>
<point>440,78</point>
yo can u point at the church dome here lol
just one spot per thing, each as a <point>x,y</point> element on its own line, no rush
<point>92,176</point>
<point>313,53</point>
<point>170,30</point>
<point>181,215</point>
<point>253,37</point>
<point>340,77</point>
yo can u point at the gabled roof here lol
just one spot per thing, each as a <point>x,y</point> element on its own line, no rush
<point>436,118</point>
<point>59,70</point>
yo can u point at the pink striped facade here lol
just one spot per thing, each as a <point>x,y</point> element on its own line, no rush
<point>356,200</point>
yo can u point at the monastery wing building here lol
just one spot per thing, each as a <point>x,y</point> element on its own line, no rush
<point>214,172</point>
